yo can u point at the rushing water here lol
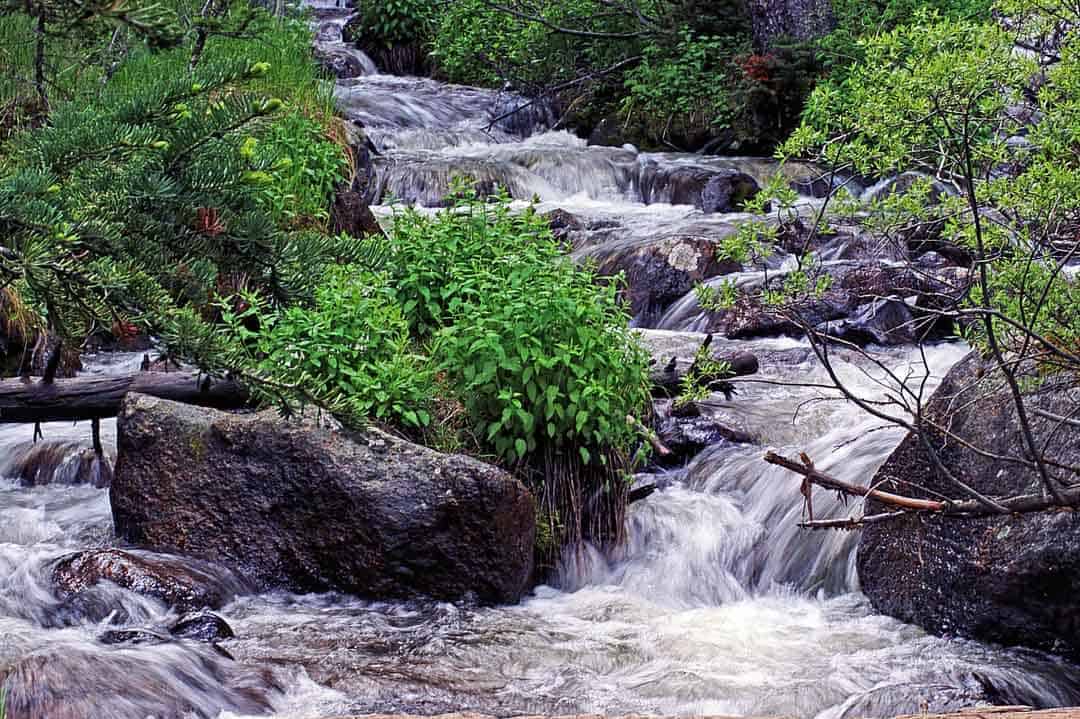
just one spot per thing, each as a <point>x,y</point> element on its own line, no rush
<point>718,603</point>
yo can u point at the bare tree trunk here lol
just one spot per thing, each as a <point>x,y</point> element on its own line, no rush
<point>96,397</point>
<point>39,60</point>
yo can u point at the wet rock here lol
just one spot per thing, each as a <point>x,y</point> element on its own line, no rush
<point>342,62</point>
<point>608,132</point>
<point>661,272</point>
<point>307,506</point>
<point>1009,579</point>
<point>710,190</point>
<point>132,636</point>
<point>686,431</point>
<point>564,225</point>
<point>351,215</point>
<point>36,464</point>
<point>165,681</point>
<point>202,627</point>
<point>673,354</point>
<point>882,322</point>
<point>750,317</point>
<point>182,583</point>
<point>904,183</point>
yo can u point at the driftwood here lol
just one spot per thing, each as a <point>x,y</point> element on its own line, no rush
<point>901,505</point>
<point>81,398</point>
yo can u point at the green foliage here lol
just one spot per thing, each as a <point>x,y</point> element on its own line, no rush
<point>349,352</point>
<point>690,79</point>
<point>697,384</point>
<point>395,22</point>
<point>856,20</point>
<point>165,185</point>
<point>308,168</point>
<point>480,44</point>
<point>932,96</point>
<point>924,93</point>
<point>538,352</point>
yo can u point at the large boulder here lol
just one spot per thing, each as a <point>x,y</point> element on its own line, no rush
<point>307,506</point>
<point>1012,579</point>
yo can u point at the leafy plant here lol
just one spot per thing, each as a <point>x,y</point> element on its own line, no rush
<point>540,354</point>
<point>702,377</point>
<point>307,168</point>
<point>350,352</point>
<point>394,22</point>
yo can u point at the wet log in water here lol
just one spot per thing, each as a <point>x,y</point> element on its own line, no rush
<point>82,398</point>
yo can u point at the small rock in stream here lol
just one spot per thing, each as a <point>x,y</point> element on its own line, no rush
<point>202,627</point>
<point>182,583</point>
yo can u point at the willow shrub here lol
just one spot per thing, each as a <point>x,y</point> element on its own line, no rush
<point>539,354</point>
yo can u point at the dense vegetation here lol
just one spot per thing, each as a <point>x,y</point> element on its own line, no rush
<point>167,171</point>
<point>666,73</point>
<point>177,185</point>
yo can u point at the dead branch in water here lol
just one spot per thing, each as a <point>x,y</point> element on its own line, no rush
<point>902,505</point>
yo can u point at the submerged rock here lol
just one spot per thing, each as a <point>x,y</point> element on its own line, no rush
<point>1013,579</point>
<point>685,430</point>
<point>307,506</point>
<point>202,627</point>
<point>710,190</point>
<point>883,322</point>
<point>133,682</point>
<point>183,584</point>
<point>36,464</point>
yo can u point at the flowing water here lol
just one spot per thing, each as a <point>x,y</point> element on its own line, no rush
<point>718,603</point>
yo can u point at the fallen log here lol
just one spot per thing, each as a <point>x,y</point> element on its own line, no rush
<point>907,505</point>
<point>82,398</point>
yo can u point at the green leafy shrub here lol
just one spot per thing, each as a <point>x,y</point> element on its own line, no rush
<point>539,353</point>
<point>394,22</point>
<point>690,80</point>
<point>308,168</point>
<point>350,351</point>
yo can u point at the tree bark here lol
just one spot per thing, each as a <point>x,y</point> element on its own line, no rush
<point>81,398</point>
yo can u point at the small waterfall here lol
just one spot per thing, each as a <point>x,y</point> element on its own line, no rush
<point>408,103</point>
<point>549,167</point>
<point>48,462</point>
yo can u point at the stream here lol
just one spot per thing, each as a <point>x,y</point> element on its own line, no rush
<point>718,604</point>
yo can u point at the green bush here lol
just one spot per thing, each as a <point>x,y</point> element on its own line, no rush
<point>394,22</point>
<point>538,352</point>
<point>691,79</point>
<point>308,168</point>
<point>350,352</point>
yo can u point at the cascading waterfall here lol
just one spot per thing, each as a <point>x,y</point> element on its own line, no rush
<point>718,603</point>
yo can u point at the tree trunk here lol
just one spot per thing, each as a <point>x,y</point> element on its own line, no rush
<point>81,398</point>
